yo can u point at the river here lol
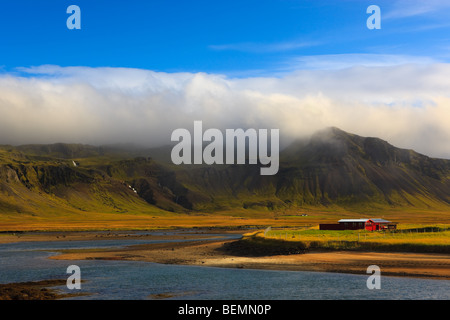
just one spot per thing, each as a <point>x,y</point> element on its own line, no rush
<point>119,280</point>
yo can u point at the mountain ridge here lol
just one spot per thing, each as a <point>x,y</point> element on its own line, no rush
<point>332,168</point>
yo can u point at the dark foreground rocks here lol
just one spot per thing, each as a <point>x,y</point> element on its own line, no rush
<point>33,290</point>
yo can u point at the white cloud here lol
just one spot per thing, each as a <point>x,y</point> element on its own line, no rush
<point>342,61</point>
<point>263,47</point>
<point>407,105</point>
<point>414,8</point>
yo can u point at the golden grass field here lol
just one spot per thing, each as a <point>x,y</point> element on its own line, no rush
<point>156,219</point>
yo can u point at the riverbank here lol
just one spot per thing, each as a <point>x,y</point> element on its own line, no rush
<point>163,234</point>
<point>228,254</point>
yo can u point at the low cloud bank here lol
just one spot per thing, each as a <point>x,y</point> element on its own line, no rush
<point>407,105</point>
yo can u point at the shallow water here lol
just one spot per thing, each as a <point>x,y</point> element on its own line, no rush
<point>28,261</point>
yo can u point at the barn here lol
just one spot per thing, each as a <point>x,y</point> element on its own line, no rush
<point>379,224</point>
<point>372,224</point>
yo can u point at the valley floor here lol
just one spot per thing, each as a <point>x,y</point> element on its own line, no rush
<point>212,253</point>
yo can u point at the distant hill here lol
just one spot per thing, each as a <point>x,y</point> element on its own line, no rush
<point>332,168</point>
<point>338,166</point>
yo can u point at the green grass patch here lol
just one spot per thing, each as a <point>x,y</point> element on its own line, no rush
<point>424,239</point>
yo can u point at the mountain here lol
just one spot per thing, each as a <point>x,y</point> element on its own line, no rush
<point>332,168</point>
<point>335,166</point>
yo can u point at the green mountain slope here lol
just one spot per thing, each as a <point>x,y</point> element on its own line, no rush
<point>332,168</point>
<point>335,166</point>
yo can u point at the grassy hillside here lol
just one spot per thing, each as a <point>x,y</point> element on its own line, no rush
<point>333,174</point>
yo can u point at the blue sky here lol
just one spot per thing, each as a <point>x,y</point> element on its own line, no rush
<point>240,38</point>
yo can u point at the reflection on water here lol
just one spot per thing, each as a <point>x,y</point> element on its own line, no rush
<point>28,261</point>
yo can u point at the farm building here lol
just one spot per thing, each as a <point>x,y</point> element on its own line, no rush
<point>372,224</point>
